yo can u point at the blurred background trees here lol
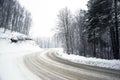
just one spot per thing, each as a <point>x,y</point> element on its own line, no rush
<point>14,17</point>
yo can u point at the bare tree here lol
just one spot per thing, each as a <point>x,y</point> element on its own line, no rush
<point>64,25</point>
<point>14,17</point>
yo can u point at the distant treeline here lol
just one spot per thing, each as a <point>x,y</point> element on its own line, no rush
<point>14,17</point>
<point>94,32</point>
<point>51,42</point>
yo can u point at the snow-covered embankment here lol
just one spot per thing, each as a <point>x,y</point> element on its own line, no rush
<point>110,64</point>
<point>11,66</point>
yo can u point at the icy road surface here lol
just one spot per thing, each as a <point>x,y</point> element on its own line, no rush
<point>47,65</point>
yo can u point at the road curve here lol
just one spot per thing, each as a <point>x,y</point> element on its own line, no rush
<point>49,66</point>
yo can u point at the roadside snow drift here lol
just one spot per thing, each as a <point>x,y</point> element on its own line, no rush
<point>111,64</point>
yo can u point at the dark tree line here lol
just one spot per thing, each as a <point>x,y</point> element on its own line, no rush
<point>14,17</point>
<point>94,32</point>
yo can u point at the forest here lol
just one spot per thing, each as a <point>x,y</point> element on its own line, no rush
<point>93,32</point>
<point>14,17</point>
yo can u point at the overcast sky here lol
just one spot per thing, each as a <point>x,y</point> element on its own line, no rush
<point>44,13</point>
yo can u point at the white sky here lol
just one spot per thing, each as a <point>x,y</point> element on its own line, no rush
<point>44,13</point>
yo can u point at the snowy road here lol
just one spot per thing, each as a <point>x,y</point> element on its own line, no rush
<point>48,66</point>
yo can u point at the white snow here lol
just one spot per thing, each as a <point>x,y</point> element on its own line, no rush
<point>11,65</point>
<point>111,64</point>
<point>8,34</point>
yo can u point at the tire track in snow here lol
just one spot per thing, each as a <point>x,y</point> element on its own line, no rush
<point>48,66</point>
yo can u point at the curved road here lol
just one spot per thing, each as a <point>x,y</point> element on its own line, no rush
<point>48,66</point>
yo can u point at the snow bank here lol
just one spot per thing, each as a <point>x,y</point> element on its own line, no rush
<point>7,47</point>
<point>11,66</point>
<point>8,34</point>
<point>111,64</point>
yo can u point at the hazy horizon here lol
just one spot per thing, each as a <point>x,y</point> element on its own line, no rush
<point>44,14</point>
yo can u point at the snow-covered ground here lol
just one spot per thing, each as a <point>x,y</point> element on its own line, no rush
<point>11,66</point>
<point>111,64</point>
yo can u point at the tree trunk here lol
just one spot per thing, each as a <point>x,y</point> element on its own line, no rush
<point>94,46</point>
<point>116,53</point>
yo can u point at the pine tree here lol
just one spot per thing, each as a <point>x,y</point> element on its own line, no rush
<point>99,19</point>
